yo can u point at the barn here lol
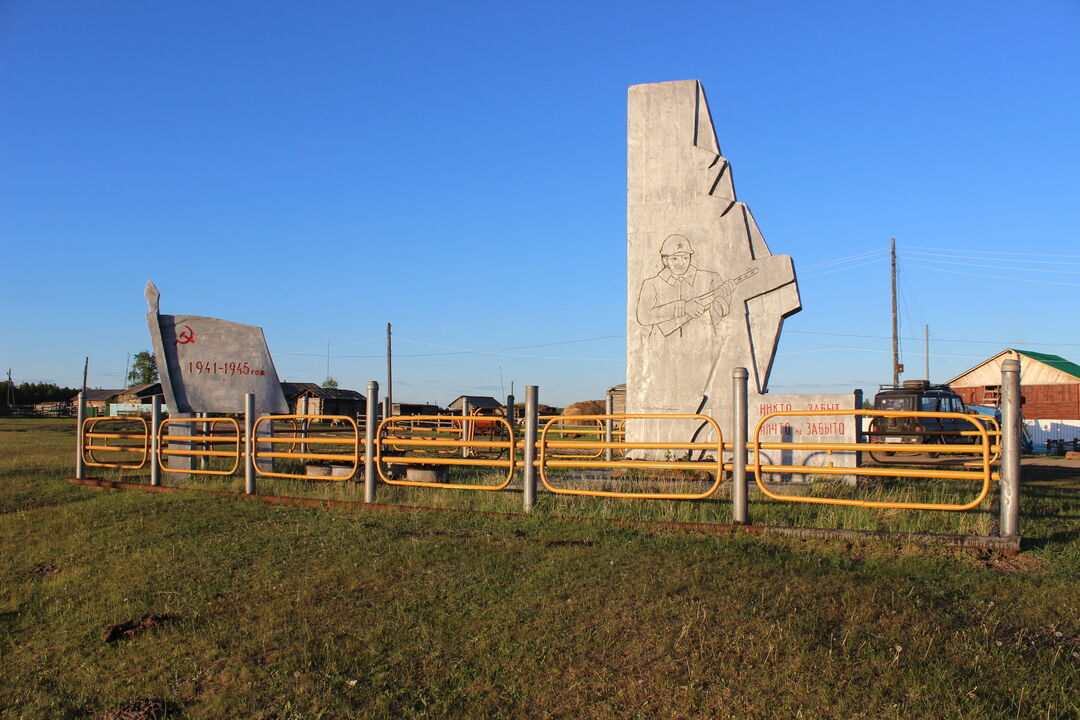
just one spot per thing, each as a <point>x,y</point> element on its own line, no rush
<point>1049,391</point>
<point>331,401</point>
<point>485,403</point>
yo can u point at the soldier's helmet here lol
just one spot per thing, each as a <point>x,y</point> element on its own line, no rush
<point>674,245</point>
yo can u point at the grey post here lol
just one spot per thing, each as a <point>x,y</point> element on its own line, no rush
<point>155,439</point>
<point>80,419</point>
<point>249,443</point>
<point>387,409</point>
<point>204,428</point>
<point>609,427</point>
<point>304,424</point>
<point>465,409</point>
<point>1010,448</point>
<point>739,377</point>
<point>529,471</point>
<point>369,441</point>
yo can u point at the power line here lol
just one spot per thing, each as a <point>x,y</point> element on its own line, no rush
<point>1004,267</point>
<point>456,350</point>
<point>989,252</point>
<point>992,277</point>
<point>839,269</point>
<point>857,256</point>
<point>989,259</point>
<point>1009,343</point>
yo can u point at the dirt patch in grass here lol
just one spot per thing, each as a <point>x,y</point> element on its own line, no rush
<point>145,709</point>
<point>130,628</point>
<point>44,570</point>
<point>1002,563</point>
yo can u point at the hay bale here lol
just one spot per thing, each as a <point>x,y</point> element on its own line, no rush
<point>584,407</point>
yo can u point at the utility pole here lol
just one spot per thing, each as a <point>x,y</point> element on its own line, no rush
<point>926,329</point>
<point>85,369</point>
<point>127,364</point>
<point>895,336</point>
<point>10,389</point>
<point>390,367</point>
<point>327,360</point>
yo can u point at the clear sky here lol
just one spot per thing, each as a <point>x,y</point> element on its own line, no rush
<point>459,169</point>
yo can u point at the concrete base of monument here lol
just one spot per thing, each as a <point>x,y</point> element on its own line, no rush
<point>419,473</point>
<point>333,472</point>
<point>774,420</point>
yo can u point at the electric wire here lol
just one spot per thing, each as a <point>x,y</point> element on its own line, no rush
<point>928,255</point>
<point>1002,267</point>
<point>992,277</point>
<point>989,252</point>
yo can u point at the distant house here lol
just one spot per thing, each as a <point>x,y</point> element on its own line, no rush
<point>138,394</point>
<point>293,391</point>
<point>477,402</point>
<point>332,401</point>
<point>416,409</point>
<point>1049,384</point>
<point>617,393</point>
<point>1049,391</point>
<point>97,401</point>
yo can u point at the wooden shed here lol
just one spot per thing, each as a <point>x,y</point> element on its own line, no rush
<point>334,401</point>
<point>293,391</point>
<point>617,393</point>
<point>1049,384</point>
<point>477,402</point>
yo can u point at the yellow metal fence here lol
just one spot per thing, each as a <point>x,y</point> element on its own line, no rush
<point>439,441</point>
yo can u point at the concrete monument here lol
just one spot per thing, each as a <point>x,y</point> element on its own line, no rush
<point>208,365</point>
<point>704,293</point>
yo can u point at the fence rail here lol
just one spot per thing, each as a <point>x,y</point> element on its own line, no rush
<point>89,433</point>
<point>984,475</point>
<point>205,441</point>
<point>589,458</point>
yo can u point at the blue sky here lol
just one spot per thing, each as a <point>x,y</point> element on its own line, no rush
<point>458,169</point>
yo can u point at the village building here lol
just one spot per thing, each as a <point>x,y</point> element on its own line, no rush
<point>329,401</point>
<point>293,391</point>
<point>415,409</point>
<point>98,401</point>
<point>617,393</point>
<point>486,404</point>
<point>1049,391</point>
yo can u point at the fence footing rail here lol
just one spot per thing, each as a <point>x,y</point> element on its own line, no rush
<point>1006,545</point>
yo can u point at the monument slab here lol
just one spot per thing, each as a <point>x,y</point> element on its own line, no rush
<point>704,292</point>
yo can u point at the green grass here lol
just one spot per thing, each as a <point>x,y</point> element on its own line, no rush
<point>278,612</point>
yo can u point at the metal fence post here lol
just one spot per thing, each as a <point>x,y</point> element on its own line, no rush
<point>80,420</point>
<point>510,410</point>
<point>529,469</point>
<point>465,425</point>
<point>1010,449</point>
<point>204,428</point>
<point>304,424</point>
<point>249,443</point>
<point>609,427</point>
<point>738,458</point>
<point>155,439</point>
<point>369,441</point>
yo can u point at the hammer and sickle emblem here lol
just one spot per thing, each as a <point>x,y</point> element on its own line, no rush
<point>187,336</point>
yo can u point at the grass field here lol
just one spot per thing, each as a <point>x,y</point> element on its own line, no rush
<point>259,611</point>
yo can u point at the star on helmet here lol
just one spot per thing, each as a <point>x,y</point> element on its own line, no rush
<point>676,245</point>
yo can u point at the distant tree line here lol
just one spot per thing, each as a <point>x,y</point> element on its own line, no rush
<point>29,393</point>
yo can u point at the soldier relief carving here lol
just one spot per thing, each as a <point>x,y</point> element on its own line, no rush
<point>705,293</point>
<point>683,298</point>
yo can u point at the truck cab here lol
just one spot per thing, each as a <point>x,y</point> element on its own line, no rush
<point>915,396</point>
